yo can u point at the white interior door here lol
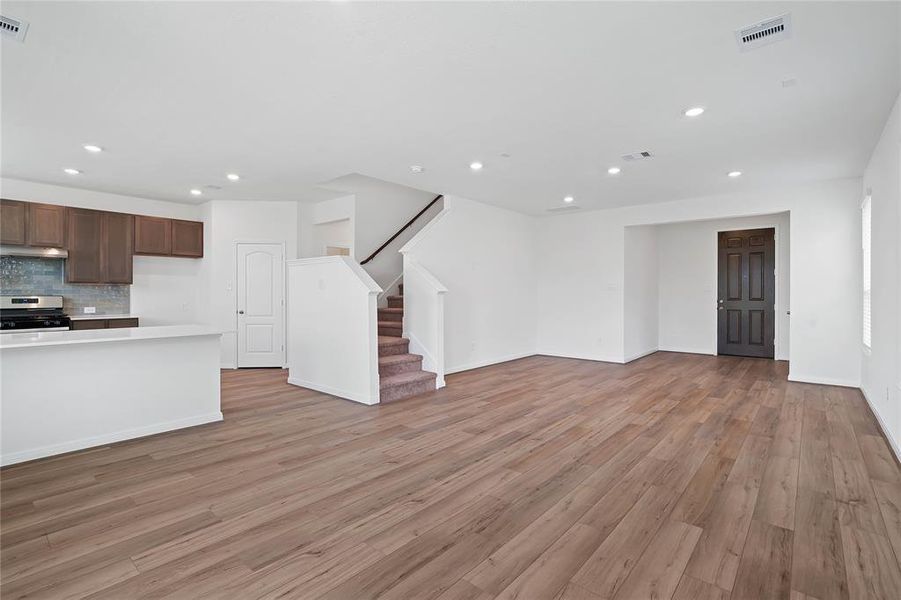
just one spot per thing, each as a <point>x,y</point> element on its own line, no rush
<point>261,301</point>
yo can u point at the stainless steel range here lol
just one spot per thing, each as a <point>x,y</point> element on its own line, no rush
<point>32,313</point>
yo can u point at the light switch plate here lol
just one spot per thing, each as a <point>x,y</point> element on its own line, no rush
<point>90,310</point>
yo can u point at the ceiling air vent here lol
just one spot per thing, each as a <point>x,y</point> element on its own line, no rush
<point>566,208</point>
<point>13,28</point>
<point>765,32</point>
<point>637,156</point>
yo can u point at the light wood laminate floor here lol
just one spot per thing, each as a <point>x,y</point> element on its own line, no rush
<point>676,476</point>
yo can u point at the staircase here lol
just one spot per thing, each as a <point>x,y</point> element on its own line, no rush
<point>400,373</point>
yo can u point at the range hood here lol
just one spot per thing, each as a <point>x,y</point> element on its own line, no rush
<point>31,251</point>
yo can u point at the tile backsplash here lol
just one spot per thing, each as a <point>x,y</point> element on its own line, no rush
<point>45,277</point>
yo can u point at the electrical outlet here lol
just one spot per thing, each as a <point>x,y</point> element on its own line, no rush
<point>90,310</point>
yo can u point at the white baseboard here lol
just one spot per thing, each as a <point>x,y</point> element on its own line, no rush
<point>687,350</point>
<point>487,362</point>
<point>591,357</point>
<point>108,438</point>
<point>886,432</point>
<point>822,380</point>
<point>325,389</point>
<point>638,355</point>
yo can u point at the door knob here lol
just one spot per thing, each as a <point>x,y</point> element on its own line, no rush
<point>240,312</point>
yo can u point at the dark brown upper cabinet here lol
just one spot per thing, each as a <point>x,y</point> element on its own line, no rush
<point>187,238</point>
<point>12,222</point>
<point>117,245</point>
<point>100,247</point>
<point>85,231</point>
<point>153,236</point>
<point>46,225</point>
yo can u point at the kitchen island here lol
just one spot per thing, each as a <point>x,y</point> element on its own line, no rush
<point>69,390</point>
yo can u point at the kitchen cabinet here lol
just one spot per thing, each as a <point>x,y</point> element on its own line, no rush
<point>32,224</point>
<point>187,238</point>
<point>12,222</point>
<point>120,323</point>
<point>156,236</point>
<point>100,247</point>
<point>153,236</point>
<point>117,247</point>
<point>85,232</point>
<point>101,323</point>
<point>46,225</point>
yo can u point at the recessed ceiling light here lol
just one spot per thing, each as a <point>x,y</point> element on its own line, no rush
<point>92,148</point>
<point>476,166</point>
<point>233,177</point>
<point>196,192</point>
<point>568,199</point>
<point>694,111</point>
<point>734,173</point>
<point>416,168</point>
<point>613,170</point>
<point>72,171</point>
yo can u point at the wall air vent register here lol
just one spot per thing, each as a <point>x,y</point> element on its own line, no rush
<point>14,29</point>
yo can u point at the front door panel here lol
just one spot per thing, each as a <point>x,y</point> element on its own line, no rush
<point>746,301</point>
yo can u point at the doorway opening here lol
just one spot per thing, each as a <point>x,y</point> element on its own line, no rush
<point>746,293</point>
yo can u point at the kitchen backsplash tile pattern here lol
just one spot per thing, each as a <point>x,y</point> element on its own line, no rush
<point>44,277</point>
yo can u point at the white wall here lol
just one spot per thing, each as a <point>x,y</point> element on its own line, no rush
<point>688,282</point>
<point>485,257</point>
<point>335,233</point>
<point>387,266</point>
<point>424,317</point>
<point>881,368</point>
<point>312,215</point>
<point>166,290</point>
<point>228,222</point>
<point>332,328</point>
<point>579,287</point>
<point>381,208</point>
<point>580,274</point>
<point>640,292</point>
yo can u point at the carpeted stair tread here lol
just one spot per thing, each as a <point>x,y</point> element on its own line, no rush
<point>405,378</point>
<point>393,315</point>
<point>398,358</point>
<point>390,345</point>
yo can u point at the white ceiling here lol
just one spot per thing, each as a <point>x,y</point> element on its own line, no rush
<point>290,95</point>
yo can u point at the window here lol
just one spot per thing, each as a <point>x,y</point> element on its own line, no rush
<point>866,238</point>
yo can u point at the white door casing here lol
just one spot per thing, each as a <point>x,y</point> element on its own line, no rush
<point>260,304</point>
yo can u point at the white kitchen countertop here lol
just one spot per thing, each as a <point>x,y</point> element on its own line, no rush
<point>91,336</point>
<point>101,317</point>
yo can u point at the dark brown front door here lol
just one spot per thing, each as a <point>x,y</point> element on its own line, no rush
<point>745,305</point>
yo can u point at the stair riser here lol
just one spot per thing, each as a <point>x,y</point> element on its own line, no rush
<point>408,390</point>
<point>398,368</point>
<point>391,316</point>
<point>395,302</point>
<point>392,350</point>
<point>391,331</point>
